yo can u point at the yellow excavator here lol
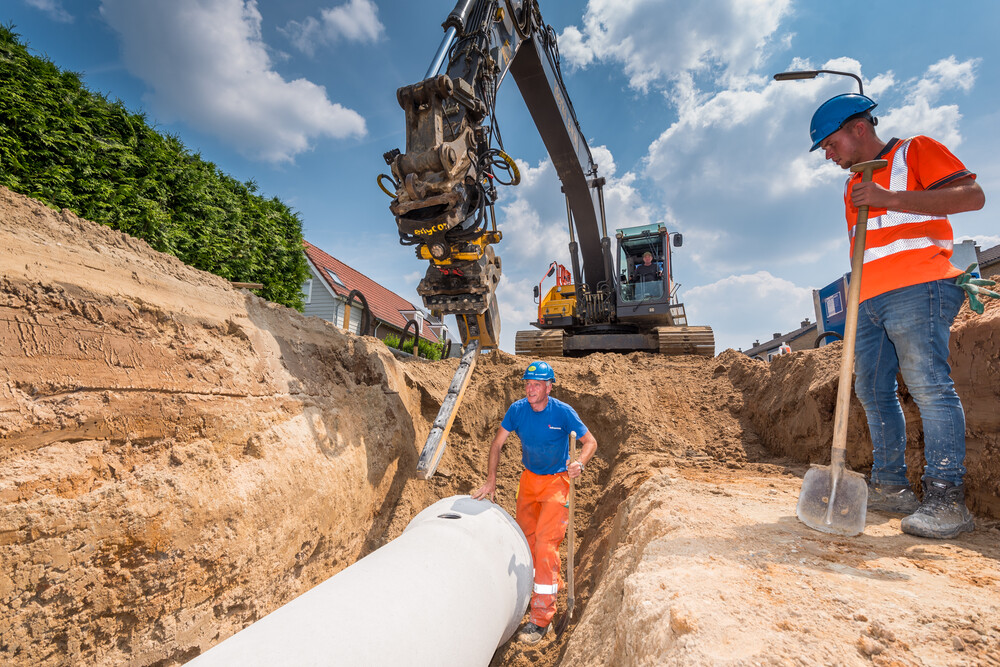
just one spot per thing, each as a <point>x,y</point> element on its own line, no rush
<point>647,314</point>
<point>444,186</point>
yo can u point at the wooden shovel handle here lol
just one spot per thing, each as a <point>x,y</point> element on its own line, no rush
<point>838,453</point>
<point>571,545</point>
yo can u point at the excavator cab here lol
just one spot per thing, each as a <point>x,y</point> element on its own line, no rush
<point>645,279</point>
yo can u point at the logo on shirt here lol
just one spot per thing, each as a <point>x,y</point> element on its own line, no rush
<point>554,428</point>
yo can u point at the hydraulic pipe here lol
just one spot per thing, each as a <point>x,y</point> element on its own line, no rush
<point>452,25</point>
<point>448,591</point>
<point>574,248</point>
<point>442,53</point>
<point>609,262</point>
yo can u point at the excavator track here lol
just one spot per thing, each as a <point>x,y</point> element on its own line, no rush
<point>547,343</point>
<point>679,340</point>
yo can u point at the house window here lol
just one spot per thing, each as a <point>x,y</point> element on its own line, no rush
<point>307,290</point>
<point>336,278</point>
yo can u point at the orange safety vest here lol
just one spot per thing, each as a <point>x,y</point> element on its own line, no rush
<point>903,249</point>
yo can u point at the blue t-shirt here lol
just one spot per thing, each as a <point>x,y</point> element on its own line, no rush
<point>544,435</point>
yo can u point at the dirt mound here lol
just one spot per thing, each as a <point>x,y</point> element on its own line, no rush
<point>180,458</point>
<point>154,425</point>
<point>712,568</point>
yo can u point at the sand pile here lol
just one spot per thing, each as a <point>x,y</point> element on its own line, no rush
<point>180,458</point>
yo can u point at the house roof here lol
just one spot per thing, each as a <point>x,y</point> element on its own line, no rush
<point>989,255</point>
<point>385,304</point>
<point>775,342</point>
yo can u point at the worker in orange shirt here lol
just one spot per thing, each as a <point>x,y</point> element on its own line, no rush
<point>910,295</point>
<point>543,425</point>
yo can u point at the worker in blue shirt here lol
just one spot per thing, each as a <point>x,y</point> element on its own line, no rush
<point>543,425</point>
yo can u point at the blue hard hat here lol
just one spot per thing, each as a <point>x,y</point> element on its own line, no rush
<point>836,111</point>
<point>539,370</point>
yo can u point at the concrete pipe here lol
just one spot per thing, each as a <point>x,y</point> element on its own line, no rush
<point>448,591</point>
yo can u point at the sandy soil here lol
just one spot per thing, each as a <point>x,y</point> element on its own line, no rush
<point>180,458</point>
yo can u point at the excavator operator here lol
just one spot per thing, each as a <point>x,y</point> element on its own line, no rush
<point>647,271</point>
<point>543,424</point>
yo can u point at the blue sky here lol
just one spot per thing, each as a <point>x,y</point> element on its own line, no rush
<point>675,98</point>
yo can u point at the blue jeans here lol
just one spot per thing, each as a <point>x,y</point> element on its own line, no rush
<point>907,330</point>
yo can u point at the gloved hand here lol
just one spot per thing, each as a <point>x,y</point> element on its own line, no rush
<point>976,287</point>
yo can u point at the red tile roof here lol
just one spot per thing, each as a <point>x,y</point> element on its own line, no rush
<point>385,305</point>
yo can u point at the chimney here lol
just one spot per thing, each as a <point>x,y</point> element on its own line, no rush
<point>777,335</point>
<point>805,322</point>
<point>756,343</point>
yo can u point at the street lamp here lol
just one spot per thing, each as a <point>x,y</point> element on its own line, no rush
<point>813,73</point>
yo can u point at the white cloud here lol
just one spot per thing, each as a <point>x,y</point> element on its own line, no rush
<point>207,65</point>
<point>355,21</point>
<point>773,305</point>
<point>660,40</point>
<point>534,221</point>
<point>919,115</point>
<point>53,8</point>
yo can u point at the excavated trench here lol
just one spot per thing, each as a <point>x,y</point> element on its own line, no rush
<point>181,458</point>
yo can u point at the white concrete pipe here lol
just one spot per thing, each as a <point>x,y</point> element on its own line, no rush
<point>448,591</point>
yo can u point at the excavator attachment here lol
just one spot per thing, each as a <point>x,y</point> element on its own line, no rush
<point>465,285</point>
<point>443,204</point>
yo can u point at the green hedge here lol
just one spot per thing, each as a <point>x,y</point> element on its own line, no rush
<point>425,348</point>
<point>71,148</point>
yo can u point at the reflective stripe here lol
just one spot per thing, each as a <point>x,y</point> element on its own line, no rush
<point>546,589</point>
<point>899,176</point>
<point>902,245</point>
<point>895,218</point>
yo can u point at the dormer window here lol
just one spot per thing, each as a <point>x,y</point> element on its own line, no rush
<point>336,278</point>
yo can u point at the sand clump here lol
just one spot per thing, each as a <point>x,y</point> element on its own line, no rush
<point>180,458</point>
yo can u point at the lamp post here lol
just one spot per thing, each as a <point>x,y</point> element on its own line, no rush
<point>813,73</point>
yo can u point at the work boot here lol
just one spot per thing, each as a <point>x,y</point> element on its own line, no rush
<point>531,633</point>
<point>892,498</point>
<point>943,514</point>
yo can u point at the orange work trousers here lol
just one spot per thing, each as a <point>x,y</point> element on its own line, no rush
<point>542,512</point>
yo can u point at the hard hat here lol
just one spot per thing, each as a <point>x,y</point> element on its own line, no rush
<point>836,111</point>
<point>539,370</point>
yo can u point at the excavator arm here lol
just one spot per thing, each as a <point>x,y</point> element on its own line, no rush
<point>445,182</point>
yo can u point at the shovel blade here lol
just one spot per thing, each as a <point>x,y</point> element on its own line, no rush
<point>849,493</point>
<point>563,622</point>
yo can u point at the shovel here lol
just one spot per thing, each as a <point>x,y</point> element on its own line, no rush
<point>834,499</point>
<point>564,621</point>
